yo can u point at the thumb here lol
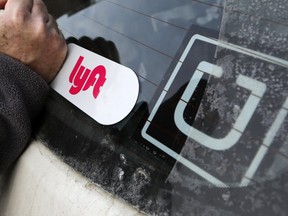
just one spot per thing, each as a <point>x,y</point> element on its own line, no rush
<point>2,4</point>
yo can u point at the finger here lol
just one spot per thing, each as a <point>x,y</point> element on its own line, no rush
<point>2,4</point>
<point>19,5</point>
<point>39,11</point>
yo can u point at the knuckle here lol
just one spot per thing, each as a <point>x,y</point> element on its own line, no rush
<point>19,17</point>
<point>39,3</point>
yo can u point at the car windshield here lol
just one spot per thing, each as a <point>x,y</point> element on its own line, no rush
<point>208,133</point>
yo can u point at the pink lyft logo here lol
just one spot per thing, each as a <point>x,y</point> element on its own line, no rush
<point>82,78</point>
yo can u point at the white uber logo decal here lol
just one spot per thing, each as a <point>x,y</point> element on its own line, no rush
<point>181,91</point>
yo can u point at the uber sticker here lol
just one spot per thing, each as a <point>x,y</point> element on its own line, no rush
<point>103,89</point>
<point>225,111</point>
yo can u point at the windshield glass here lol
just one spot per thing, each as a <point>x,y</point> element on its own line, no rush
<point>207,135</point>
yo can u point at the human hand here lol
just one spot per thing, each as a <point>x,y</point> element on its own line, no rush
<point>30,34</point>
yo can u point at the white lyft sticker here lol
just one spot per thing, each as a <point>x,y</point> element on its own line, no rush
<point>103,89</point>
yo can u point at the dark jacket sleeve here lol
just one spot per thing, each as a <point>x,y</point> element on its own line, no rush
<point>22,94</point>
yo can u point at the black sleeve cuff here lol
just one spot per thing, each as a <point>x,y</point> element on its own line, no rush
<point>22,94</point>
